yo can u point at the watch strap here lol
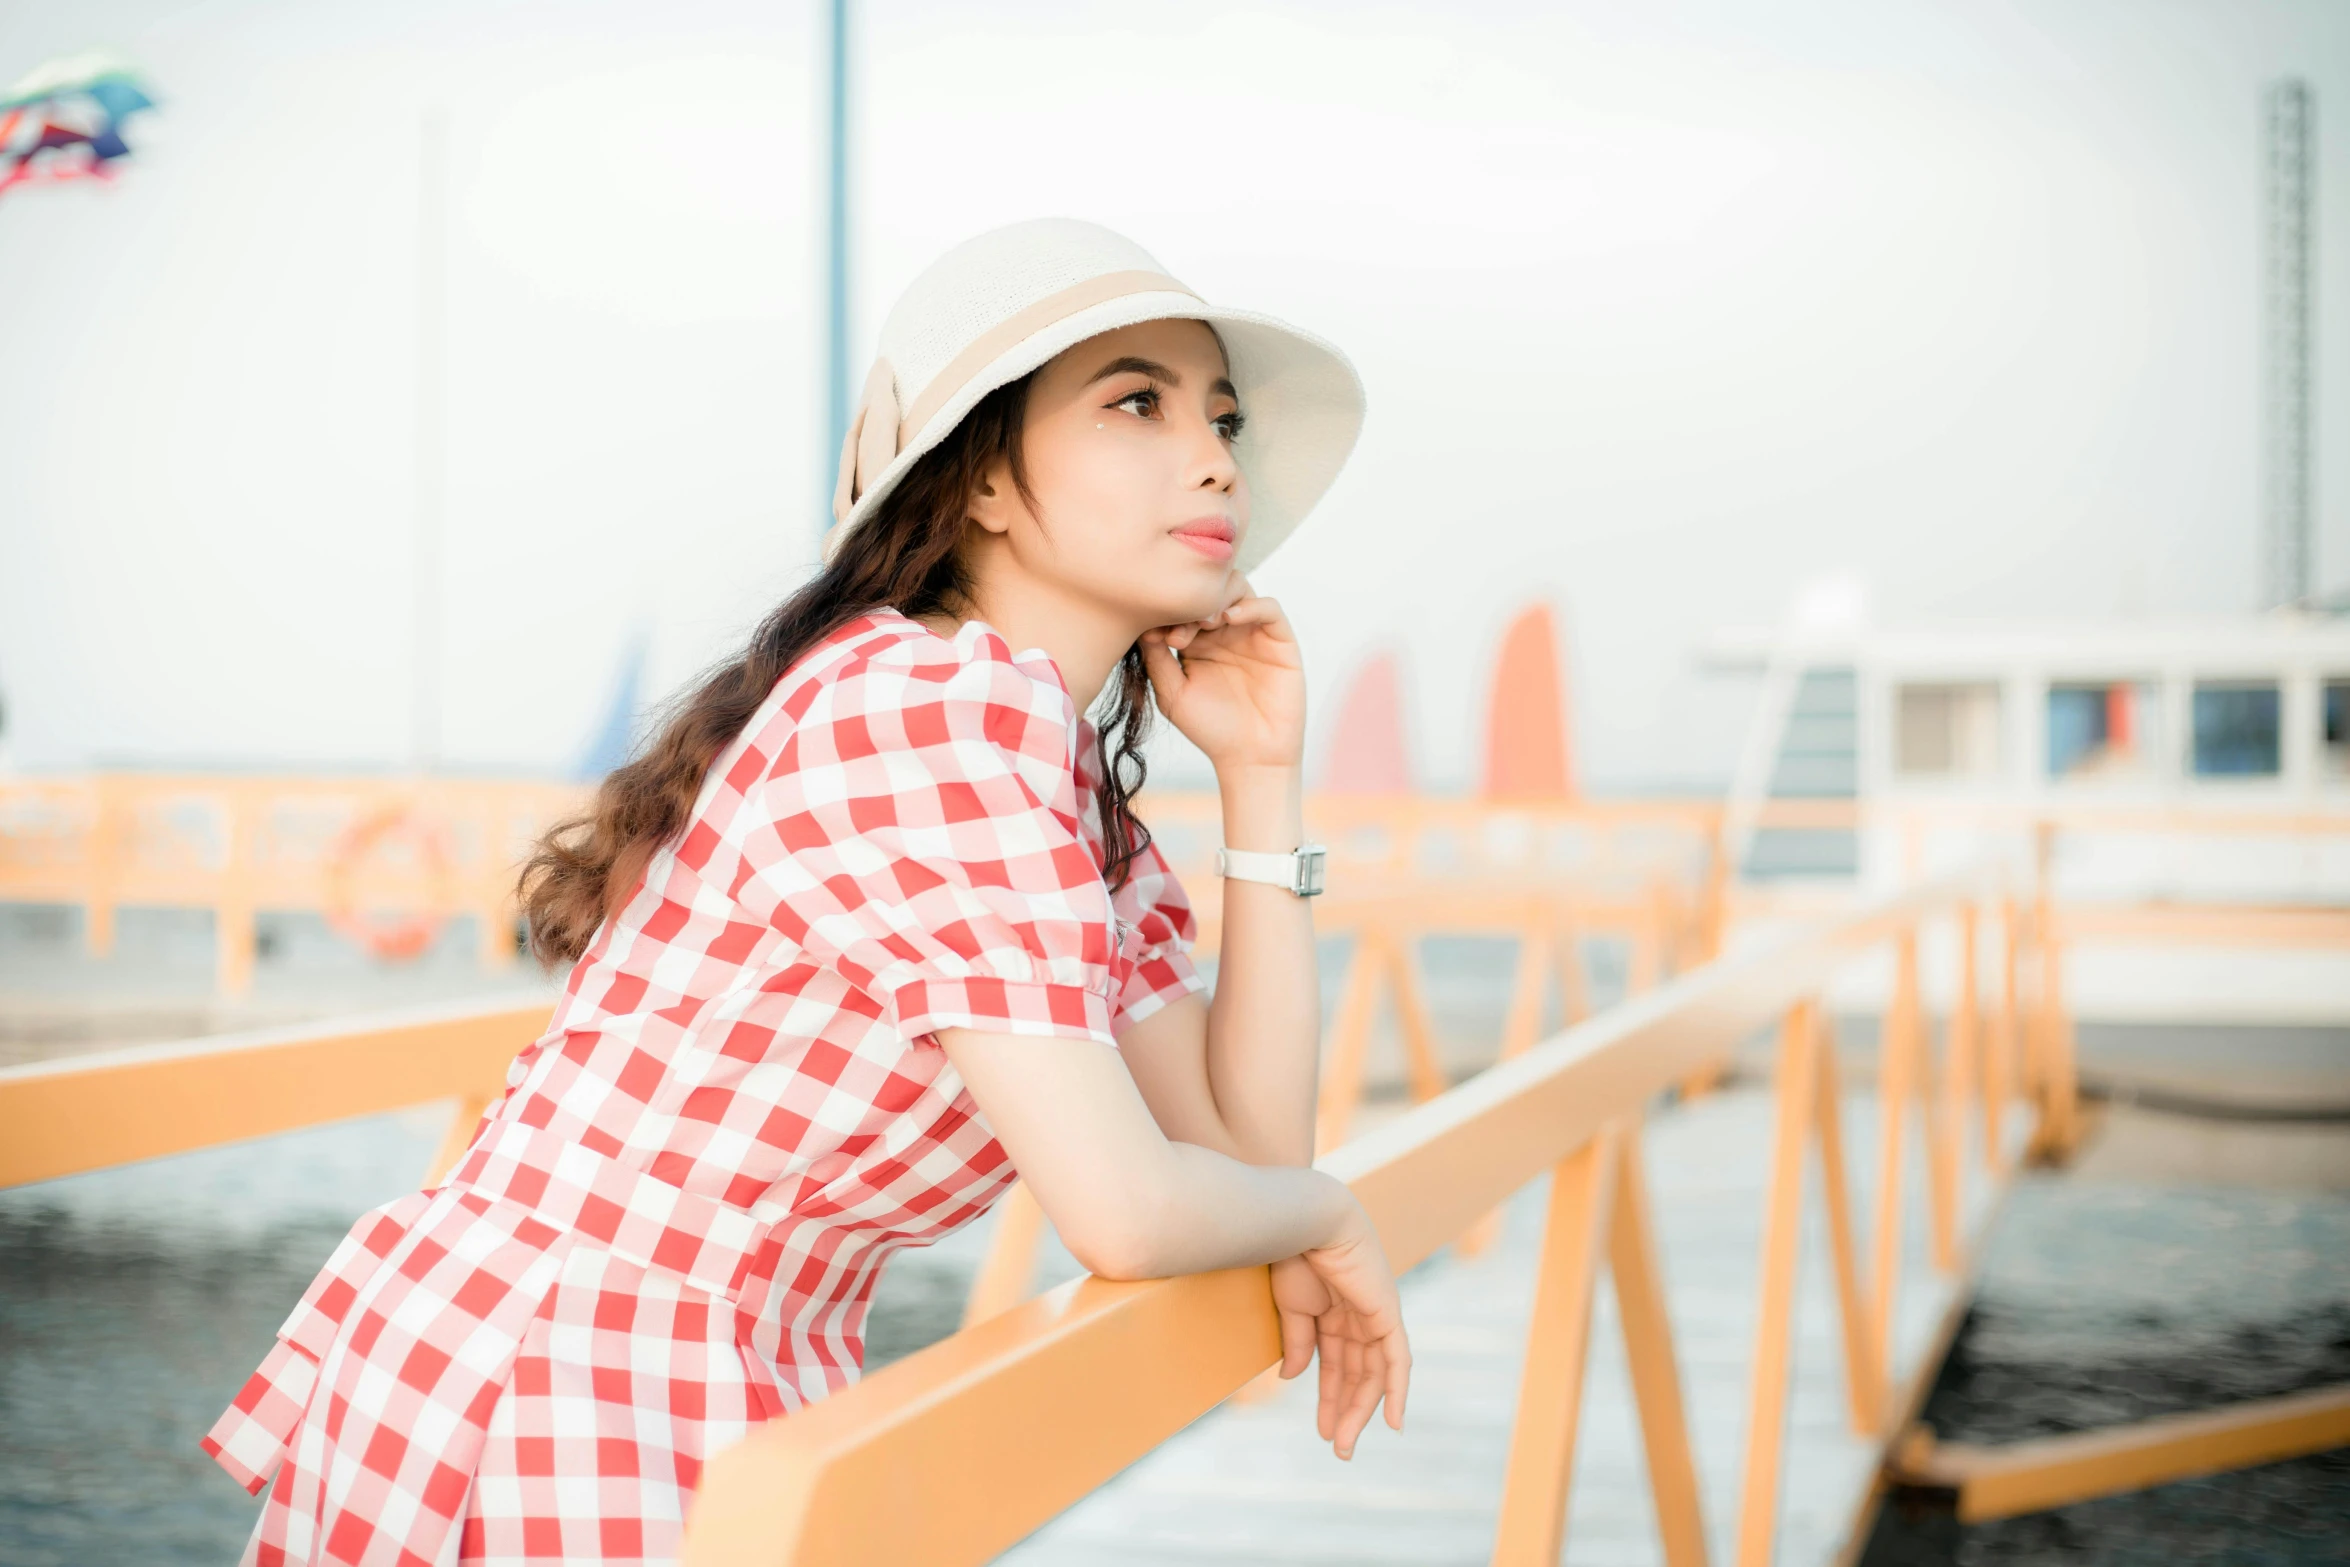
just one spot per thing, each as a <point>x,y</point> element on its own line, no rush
<point>1300,870</point>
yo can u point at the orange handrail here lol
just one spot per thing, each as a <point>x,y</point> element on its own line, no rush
<point>1094,1374</point>
<point>91,1112</point>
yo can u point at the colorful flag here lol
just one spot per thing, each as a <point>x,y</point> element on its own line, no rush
<point>64,121</point>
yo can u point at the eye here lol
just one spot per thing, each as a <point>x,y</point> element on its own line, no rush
<point>1148,398</point>
<point>1230,425</point>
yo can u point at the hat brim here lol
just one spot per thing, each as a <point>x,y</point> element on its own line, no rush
<point>1303,400</point>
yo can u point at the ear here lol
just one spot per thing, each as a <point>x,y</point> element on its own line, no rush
<point>995,499</point>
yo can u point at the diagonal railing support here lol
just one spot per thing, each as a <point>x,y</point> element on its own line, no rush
<point>1598,1210</point>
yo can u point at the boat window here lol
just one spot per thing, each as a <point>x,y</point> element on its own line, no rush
<point>2238,729</point>
<point>2100,728</point>
<point>1946,731</point>
<point>2335,710</point>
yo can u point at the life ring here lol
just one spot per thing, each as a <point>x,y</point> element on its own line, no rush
<point>396,940</point>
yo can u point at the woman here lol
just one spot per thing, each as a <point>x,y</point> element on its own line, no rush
<point>849,939</point>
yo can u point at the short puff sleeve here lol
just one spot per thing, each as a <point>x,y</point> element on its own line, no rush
<point>1157,926</point>
<point>919,832</point>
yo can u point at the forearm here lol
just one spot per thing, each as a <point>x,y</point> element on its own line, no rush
<point>1210,1211</point>
<point>1129,1202</point>
<point>1264,1026</point>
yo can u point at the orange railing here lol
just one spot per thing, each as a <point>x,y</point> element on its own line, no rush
<point>1651,872</point>
<point>359,849</point>
<point>1094,1374</point>
<point>351,848</point>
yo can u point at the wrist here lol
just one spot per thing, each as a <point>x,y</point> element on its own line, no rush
<point>1263,807</point>
<point>1345,1222</point>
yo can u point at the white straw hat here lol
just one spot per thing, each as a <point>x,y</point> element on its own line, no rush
<point>996,307</point>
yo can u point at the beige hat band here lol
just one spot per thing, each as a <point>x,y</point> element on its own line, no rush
<point>878,432</point>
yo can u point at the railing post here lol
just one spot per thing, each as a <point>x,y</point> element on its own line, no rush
<point>2039,932</point>
<point>2059,1130</point>
<point>1350,1035</point>
<point>1714,909</point>
<point>1533,1522</point>
<point>1648,1350</point>
<point>1935,1114</point>
<point>2000,1065</point>
<point>1893,1094</point>
<point>1865,1370</point>
<point>1962,1067</point>
<point>1412,1022</point>
<point>111,824</point>
<point>2052,1064</point>
<point>233,910</point>
<point>1766,1419</point>
<point>1523,1023</point>
<point>1003,1279</point>
<point>1519,1033</point>
<point>1574,989</point>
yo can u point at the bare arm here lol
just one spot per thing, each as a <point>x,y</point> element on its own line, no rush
<point>1246,1064</point>
<point>1131,1204</point>
<point>1128,1202</point>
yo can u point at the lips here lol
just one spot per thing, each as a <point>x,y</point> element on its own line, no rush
<point>1214,537</point>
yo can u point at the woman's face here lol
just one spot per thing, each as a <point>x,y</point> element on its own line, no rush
<point>1136,500</point>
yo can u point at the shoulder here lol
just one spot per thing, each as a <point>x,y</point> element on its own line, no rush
<point>889,688</point>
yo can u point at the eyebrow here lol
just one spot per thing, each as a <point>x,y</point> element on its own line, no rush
<point>1134,364</point>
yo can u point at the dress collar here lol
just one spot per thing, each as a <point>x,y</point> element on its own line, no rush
<point>968,635</point>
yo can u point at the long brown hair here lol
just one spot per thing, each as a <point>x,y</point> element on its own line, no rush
<point>905,557</point>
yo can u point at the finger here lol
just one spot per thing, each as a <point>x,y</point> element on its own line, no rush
<point>1254,612</point>
<point>1165,671</point>
<point>1350,1382</point>
<point>1297,1343</point>
<point>1326,1405</point>
<point>1399,1376</point>
<point>1362,1397</point>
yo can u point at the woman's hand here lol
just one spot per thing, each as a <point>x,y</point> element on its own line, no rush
<point>1341,1298</point>
<point>1238,690</point>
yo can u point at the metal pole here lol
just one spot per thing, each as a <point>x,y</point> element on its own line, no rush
<point>2291,112</point>
<point>432,310</point>
<point>836,290</point>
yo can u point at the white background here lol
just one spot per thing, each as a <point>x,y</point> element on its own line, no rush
<point>1664,310</point>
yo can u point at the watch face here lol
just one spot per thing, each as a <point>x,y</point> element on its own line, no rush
<point>1309,871</point>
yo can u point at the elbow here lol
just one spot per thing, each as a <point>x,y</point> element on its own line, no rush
<point>1124,1234</point>
<point>1118,1248</point>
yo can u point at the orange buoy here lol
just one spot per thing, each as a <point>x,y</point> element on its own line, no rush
<point>406,937</point>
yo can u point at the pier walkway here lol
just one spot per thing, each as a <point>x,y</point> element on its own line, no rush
<point>1250,1484</point>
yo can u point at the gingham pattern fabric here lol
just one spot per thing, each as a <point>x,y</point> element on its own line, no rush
<point>670,1226</point>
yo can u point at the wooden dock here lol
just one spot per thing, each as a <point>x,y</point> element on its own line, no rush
<point>1251,1486</point>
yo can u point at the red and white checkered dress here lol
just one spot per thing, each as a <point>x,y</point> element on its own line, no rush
<point>670,1227</point>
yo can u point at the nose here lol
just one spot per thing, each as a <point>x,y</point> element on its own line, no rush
<point>1213,465</point>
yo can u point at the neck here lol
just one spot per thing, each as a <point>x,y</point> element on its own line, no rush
<point>1085,637</point>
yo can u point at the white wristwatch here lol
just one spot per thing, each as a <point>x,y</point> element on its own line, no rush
<point>1300,870</point>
